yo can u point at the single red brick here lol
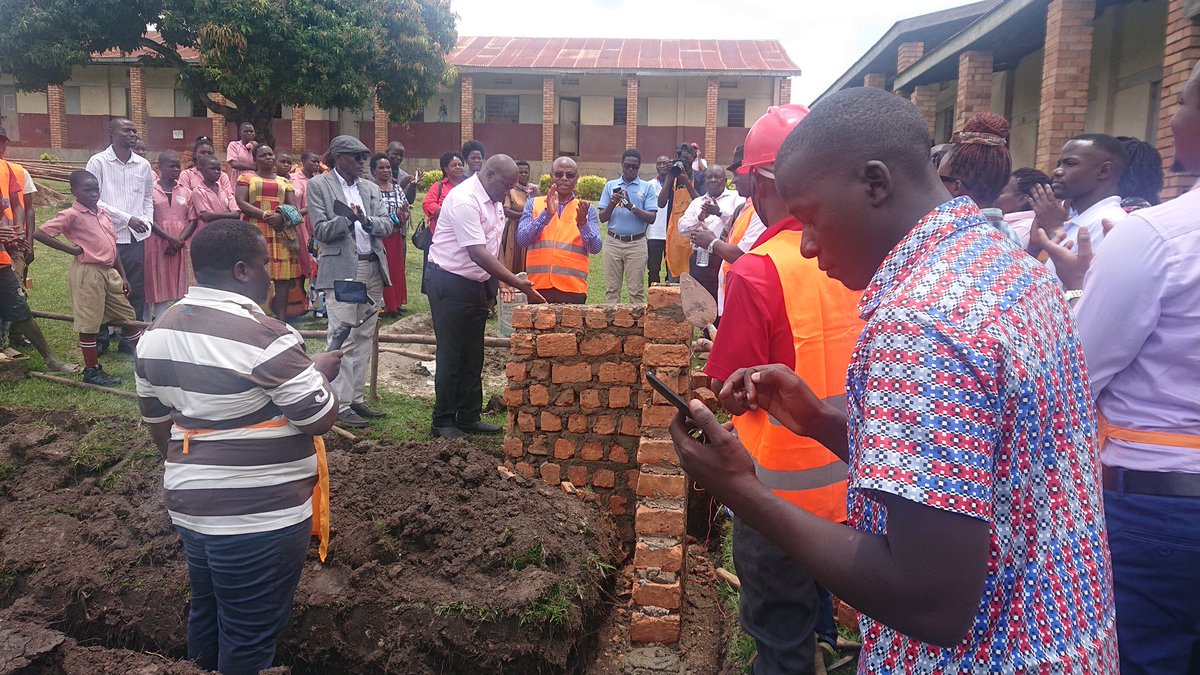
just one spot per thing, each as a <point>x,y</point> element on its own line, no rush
<point>604,425</point>
<point>539,370</point>
<point>515,371</point>
<point>592,451</point>
<point>545,317</point>
<point>634,345</point>
<point>514,447</point>
<point>551,422</point>
<point>630,425</point>
<point>595,318</point>
<point>563,373</point>
<point>589,399</point>
<point>707,397</point>
<point>618,505</point>
<point>650,520</point>
<point>539,446</point>
<point>565,398</point>
<point>617,453</point>
<point>623,318</point>
<point>564,448</point>
<point>631,479</point>
<point>659,329</point>
<point>700,379</point>
<point>572,317</point>
<point>658,416</point>
<point>644,628</point>
<point>666,559</point>
<point>522,317</point>
<point>656,452</point>
<point>551,473</point>
<point>658,297</point>
<point>659,485</point>
<point>520,344</point>
<point>525,469</point>
<point>577,424</point>
<point>667,355</point>
<point>539,395</point>
<point>604,478</point>
<point>577,474</point>
<point>612,372</point>
<point>619,397</point>
<point>555,345</point>
<point>649,594</point>
<point>600,345</point>
<point>526,422</point>
<point>514,397</point>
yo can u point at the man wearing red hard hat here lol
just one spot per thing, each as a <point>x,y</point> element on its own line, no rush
<point>776,302</point>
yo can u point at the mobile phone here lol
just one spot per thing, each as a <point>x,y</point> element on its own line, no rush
<point>675,399</point>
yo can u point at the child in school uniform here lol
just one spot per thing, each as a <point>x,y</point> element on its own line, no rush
<point>99,288</point>
<point>166,267</point>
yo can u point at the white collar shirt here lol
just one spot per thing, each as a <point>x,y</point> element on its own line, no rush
<point>468,217</point>
<point>362,240</point>
<point>1093,219</point>
<point>126,191</point>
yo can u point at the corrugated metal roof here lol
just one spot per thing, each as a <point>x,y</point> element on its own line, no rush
<point>621,55</point>
<point>579,54</point>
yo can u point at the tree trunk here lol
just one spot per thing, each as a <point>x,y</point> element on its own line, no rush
<point>261,114</point>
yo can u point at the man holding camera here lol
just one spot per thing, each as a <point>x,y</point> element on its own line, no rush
<point>351,248</point>
<point>628,204</point>
<point>681,188</point>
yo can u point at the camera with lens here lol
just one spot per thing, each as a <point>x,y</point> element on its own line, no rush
<point>680,165</point>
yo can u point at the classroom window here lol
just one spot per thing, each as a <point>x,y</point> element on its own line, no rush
<point>501,108</point>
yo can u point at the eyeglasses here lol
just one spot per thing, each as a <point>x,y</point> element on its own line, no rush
<point>360,156</point>
<point>562,175</point>
<point>631,166</point>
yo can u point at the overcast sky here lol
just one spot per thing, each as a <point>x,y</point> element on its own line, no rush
<point>823,38</point>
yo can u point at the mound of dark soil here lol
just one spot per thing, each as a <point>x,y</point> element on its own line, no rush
<point>438,562</point>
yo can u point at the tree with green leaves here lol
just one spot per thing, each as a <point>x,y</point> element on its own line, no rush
<point>257,54</point>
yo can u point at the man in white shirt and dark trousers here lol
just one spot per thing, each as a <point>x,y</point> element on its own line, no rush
<point>1087,177</point>
<point>351,249</point>
<point>461,282</point>
<point>127,194</point>
<point>656,232</point>
<point>712,212</point>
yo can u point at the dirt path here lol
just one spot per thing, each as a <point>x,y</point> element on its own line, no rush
<point>405,375</point>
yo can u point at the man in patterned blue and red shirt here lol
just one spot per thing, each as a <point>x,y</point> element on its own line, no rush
<point>975,539</point>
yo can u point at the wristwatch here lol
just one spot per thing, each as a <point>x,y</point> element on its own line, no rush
<point>711,244</point>
<point>1073,294</point>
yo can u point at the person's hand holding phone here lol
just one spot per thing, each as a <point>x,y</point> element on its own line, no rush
<point>719,462</point>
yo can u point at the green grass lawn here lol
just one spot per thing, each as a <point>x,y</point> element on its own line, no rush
<point>409,415</point>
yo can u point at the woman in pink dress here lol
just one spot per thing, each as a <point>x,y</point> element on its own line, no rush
<point>240,153</point>
<point>165,258</point>
<point>191,178</point>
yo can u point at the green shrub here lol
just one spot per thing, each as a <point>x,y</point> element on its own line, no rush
<point>588,188</point>
<point>429,178</point>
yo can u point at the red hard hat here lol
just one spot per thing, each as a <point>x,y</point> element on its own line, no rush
<point>766,136</point>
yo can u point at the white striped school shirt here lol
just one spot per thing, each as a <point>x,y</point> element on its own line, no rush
<point>126,190</point>
<point>216,365</point>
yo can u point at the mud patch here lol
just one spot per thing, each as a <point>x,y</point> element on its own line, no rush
<point>405,374</point>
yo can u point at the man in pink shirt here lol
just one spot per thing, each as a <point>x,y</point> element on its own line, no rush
<point>461,282</point>
<point>240,153</point>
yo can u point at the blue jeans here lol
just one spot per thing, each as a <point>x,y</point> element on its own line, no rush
<point>242,589</point>
<point>778,605</point>
<point>1155,544</point>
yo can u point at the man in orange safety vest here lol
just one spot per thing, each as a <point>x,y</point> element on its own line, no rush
<point>558,232</point>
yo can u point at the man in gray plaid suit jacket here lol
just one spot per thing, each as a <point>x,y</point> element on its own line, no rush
<point>350,249</point>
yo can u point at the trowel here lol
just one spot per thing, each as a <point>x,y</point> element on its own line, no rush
<point>699,306</point>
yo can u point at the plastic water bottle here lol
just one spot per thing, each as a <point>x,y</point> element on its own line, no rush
<point>701,257</point>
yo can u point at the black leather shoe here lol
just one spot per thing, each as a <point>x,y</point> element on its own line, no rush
<point>449,433</point>
<point>366,410</point>
<point>351,419</point>
<point>480,428</point>
<point>96,375</point>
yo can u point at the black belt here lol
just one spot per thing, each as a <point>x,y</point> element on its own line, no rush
<point>1159,483</point>
<point>626,237</point>
<point>368,257</point>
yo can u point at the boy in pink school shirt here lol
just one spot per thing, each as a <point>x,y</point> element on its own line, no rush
<point>99,289</point>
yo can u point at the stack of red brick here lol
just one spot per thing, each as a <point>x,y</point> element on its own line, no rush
<point>580,411</point>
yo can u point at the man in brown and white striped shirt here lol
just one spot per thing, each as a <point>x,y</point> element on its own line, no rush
<point>234,404</point>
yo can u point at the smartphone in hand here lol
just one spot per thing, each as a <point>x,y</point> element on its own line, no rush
<point>677,401</point>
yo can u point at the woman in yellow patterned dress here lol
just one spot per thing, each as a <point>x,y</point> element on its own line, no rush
<point>259,195</point>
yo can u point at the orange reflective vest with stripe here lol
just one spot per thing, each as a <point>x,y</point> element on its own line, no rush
<point>824,318</point>
<point>320,498</point>
<point>558,259</point>
<point>738,230</point>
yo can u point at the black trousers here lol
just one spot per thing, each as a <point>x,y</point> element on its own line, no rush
<point>557,297</point>
<point>133,259</point>
<point>708,276</point>
<point>655,248</point>
<point>460,310</point>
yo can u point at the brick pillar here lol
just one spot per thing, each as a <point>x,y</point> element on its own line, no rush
<point>549,101</point>
<point>1180,56</point>
<point>56,102</point>
<point>631,112</point>
<point>875,80</point>
<point>219,136</point>
<point>785,90</point>
<point>137,101</point>
<point>381,127</point>
<point>299,132</point>
<point>710,119</point>
<point>1065,70</point>
<point>974,86</point>
<point>907,54</point>
<point>467,109</point>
